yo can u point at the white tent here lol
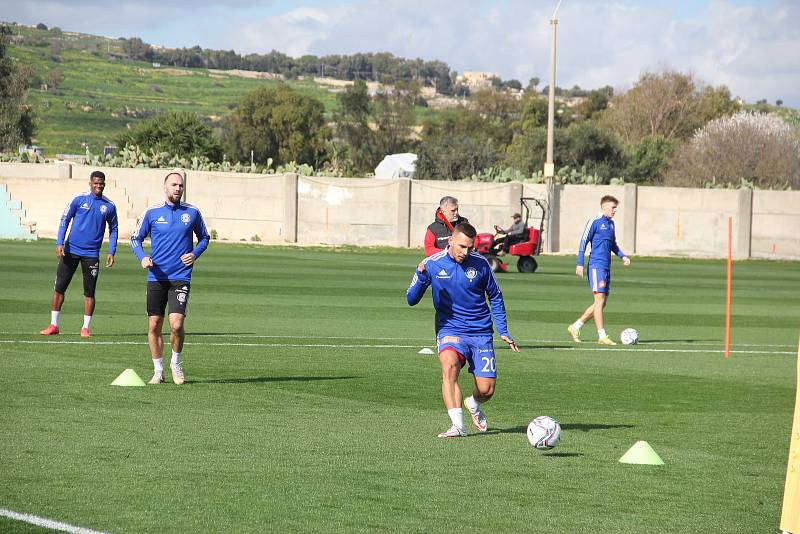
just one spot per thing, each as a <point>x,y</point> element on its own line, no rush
<point>396,166</point>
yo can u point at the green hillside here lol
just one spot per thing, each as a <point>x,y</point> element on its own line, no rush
<point>101,95</point>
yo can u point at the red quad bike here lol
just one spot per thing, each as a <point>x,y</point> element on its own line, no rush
<point>525,250</point>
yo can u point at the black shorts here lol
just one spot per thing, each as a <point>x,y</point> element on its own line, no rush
<point>67,266</point>
<point>174,293</point>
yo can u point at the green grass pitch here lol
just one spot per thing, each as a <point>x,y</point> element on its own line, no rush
<point>307,407</point>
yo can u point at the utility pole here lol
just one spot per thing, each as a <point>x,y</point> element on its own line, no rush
<point>549,166</point>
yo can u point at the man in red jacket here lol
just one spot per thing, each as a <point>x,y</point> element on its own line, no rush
<point>440,230</point>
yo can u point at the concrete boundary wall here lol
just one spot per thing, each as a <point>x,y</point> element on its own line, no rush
<point>287,208</point>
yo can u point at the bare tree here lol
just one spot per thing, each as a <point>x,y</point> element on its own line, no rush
<point>669,104</point>
<point>747,148</point>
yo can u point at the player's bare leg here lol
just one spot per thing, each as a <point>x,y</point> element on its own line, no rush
<point>575,328</point>
<point>176,336</point>
<point>156,342</point>
<point>600,300</point>
<point>597,310</point>
<point>58,301</point>
<point>451,393</point>
<point>483,391</point>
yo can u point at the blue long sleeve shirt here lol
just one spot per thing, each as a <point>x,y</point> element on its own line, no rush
<point>600,233</point>
<point>171,229</point>
<point>89,215</point>
<point>459,294</point>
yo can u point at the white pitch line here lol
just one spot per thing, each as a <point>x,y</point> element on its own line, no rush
<point>356,346</point>
<point>47,523</point>
<point>427,339</point>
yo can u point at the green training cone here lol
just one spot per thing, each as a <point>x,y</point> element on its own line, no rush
<point>128,378</point>
<point>641,453</point>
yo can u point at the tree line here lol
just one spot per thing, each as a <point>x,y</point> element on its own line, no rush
<point>361,66</point>
<point>668,128</point>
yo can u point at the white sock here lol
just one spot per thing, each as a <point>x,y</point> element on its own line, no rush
<point>457,417</point>
<point>472,404</point>
<point>86,320</point>
<point>601,333</point>
<point>54,316</point>
<point>158,365</point>
<point>176,359</point>
<point>577,324</point>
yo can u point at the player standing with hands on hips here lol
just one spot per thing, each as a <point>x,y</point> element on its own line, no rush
<point>171,225</point>
<point>601,235</point>
<point>89,213</point>
<point>461,281</point>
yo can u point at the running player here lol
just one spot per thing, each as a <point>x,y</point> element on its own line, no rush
<point>170,225</point>
<point>89,213</point>
<point>461,280</point>
<point>600,234</point>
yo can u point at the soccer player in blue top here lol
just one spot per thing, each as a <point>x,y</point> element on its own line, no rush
<point>461,281</point>
<point>89,213</point>
<point>171,226</point>
<point>600,234</point>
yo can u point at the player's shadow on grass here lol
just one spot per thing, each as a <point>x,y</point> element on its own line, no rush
<point>583,427</point>
<point>143,333</point>
<point>547,346</point>
<point>654,341</point>
<point>224,334</point>
<point>268,379</point>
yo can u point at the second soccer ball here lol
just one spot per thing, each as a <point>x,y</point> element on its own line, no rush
<point>629,336</point>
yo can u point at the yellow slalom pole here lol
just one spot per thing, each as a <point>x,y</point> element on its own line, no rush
<point>790,517</point>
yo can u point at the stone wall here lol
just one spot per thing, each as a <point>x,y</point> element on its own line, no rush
<point>287,208</point>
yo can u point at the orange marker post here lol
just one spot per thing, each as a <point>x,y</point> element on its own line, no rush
<point>728,291</point>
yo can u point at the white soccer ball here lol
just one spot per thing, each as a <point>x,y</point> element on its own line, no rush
<point>544,432</point>
<point>629,336</point>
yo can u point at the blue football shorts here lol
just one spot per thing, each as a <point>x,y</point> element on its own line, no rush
<point>477,351</point>
<point>599,279</point>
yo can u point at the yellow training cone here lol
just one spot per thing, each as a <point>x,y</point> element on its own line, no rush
<point>641,453</point>
<point>128,378</point>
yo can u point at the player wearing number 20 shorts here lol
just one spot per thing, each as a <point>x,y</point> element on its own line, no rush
<point>461,280</point>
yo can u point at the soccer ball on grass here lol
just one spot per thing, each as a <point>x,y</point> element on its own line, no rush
<point>629,336</point>
<point>544,432</point>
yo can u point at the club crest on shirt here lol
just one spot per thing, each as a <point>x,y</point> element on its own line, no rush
<point>185,218</point>
<point>103,209</point>
<point>471,273</point>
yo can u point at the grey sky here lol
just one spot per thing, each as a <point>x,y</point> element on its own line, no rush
<point>751,46</point>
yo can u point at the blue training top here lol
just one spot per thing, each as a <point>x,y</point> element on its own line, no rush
<point>459,294</point>
<point>600,233</point>
<point>170,228</point>
<point>89,215</point>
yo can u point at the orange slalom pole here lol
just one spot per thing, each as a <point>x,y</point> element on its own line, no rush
<point>728,291</point>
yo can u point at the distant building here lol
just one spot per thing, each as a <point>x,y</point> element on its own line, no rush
<point>31,149</point>
<point>477,79</point>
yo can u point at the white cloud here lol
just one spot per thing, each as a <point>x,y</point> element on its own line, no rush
<point>751,48</point>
